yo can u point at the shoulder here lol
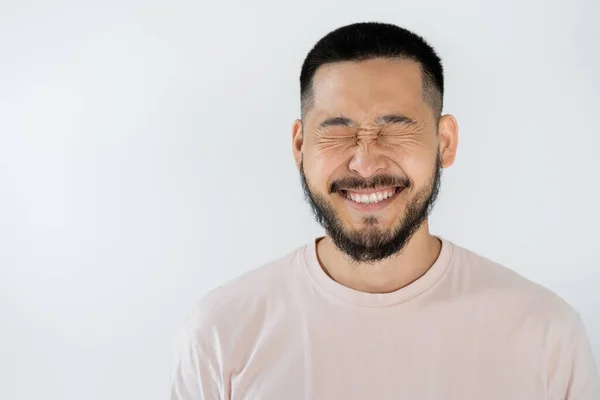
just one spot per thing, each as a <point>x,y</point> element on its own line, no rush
<point>534,317</point>
<point>222,321</point>
<point>507,291</point>
<point>235,305</point>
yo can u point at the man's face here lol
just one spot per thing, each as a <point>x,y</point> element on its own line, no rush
<point>369,158</point>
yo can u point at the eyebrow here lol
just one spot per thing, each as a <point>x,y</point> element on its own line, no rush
<point>385,119</point>
<point>396,119</point>
<point>336,121</point>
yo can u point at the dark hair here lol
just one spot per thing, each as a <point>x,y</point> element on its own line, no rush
<point>367,40</point>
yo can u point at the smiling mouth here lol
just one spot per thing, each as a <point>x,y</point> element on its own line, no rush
<point>371,196</point>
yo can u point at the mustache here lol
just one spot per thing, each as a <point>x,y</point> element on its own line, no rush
<point>371,183</point>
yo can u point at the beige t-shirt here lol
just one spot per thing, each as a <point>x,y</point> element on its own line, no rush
<point>469,329</point>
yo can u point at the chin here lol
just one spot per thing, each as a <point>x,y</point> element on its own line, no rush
<point>371,224</point>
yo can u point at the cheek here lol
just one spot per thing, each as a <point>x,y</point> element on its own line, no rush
<point>413,154</point>
<point>318,170</point>
<point>420,170</point>
<point>326,155</point>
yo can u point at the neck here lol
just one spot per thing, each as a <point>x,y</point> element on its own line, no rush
<point>384,276</point>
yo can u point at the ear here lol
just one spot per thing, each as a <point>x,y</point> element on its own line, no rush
<point>297,141</point>
<point>448,139</point>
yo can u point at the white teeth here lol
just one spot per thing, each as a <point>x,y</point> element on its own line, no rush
<point>370,198</point>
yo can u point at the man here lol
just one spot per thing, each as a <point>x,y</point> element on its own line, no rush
<point>379,308</point>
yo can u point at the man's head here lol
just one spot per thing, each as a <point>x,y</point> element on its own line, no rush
<point>371,143</point>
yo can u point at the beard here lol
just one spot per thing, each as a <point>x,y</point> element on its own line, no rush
<point>371,244</point>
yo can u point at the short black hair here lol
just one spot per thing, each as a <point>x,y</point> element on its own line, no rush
<point>368,40</point>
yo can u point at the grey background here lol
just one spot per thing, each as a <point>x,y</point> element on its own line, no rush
<point>145,158</point>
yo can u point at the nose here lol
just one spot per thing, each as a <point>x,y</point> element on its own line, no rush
<point>367,161</point>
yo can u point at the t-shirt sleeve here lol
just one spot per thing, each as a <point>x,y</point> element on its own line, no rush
<point>577,377</point>
<point>197,372</point>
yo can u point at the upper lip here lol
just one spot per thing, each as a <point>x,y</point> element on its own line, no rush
<point>371,190</point>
